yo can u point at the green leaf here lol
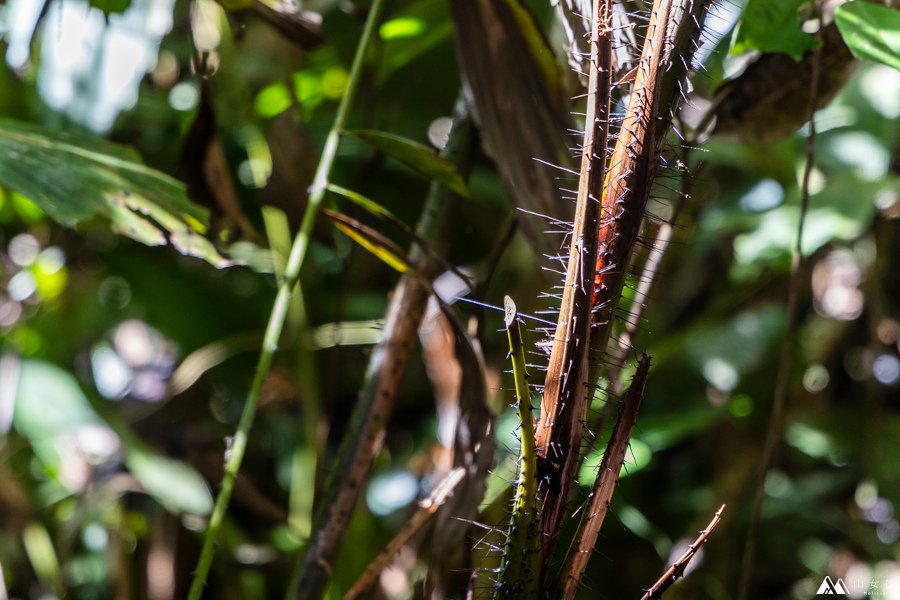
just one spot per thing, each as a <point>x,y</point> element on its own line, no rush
<point>414,31</point>
<point>111,6</point>
<point>871,31</point>
<point>177,486</point>
<point>273,100</point>
<point>401,27</point>
<point>75,177</point>
<point>41,554</point>
<point>637,458</point>
<point>367,204</point>
<point>725,351</point>
<point>252,256</point>
<point>51,410</point>
<point>770,26</point>
<point>48,402</point>
<point>416,156</point>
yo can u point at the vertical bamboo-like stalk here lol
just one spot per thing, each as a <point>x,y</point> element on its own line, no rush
<point>564,402</point>
<point>278,315</point>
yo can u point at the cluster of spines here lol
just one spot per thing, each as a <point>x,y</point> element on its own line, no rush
<point>612,262</point>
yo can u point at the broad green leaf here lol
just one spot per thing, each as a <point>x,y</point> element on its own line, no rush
<point>52,412</point>
<point>843,210</point>
<point>416,156</point>
<point>770,26</point>
<point>176,486</point>
<point>250,255</point>
<point>48,402</point>
<point>76,177</point>
<point>871,31</point>
<point>727,350</point>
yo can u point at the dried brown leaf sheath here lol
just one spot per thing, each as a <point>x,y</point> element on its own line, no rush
<point>513,87</point>
<point>631,168</point>
<point>603,237</point>
<point>592,519</point>
<point>564,401</point>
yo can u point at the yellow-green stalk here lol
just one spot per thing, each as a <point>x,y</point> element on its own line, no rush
<point>521,557</point>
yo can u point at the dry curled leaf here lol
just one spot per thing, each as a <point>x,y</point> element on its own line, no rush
<point>513,88</point>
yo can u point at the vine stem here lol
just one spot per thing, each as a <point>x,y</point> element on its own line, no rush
<point>775,427</point>
<point>234,456</point>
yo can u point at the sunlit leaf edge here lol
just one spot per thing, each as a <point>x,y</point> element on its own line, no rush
<point>417,156</point>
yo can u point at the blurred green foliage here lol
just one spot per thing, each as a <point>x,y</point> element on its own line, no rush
<point>106,466</point>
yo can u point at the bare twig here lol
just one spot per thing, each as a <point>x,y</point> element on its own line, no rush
<point>676,571</point>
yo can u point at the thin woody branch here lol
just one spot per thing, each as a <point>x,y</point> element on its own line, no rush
<point>676,571</point>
